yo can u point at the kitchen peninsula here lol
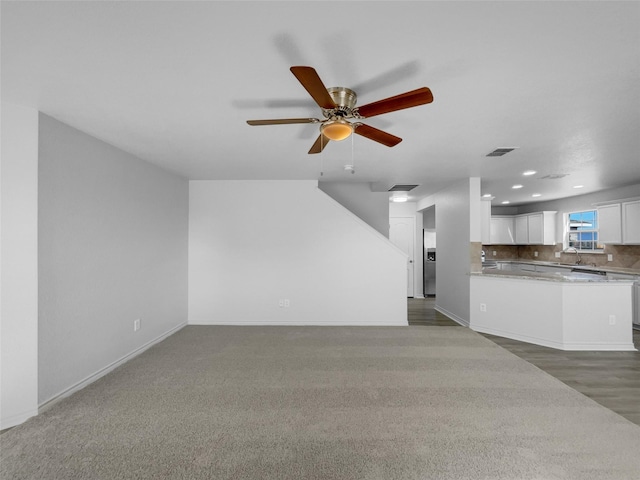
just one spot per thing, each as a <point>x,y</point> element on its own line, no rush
<point>561,309</point>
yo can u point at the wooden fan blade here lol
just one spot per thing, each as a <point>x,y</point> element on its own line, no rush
<point>319,145</point>
<point>310,80</point>
<point>377,135</point>
<point>282,121</point>
<point>421,96</point>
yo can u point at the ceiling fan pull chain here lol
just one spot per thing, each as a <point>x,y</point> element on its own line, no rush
<point>353,161</point>
<point>321,155</point>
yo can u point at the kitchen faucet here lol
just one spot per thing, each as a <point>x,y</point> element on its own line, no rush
<point>578,259</point>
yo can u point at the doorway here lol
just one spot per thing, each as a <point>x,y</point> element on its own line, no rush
<point>402,235</point>
<point>429,251</point>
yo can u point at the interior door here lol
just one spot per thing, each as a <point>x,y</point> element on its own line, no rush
<point>402,234</point>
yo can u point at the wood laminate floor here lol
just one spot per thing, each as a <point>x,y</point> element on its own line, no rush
<point>610,378</point>
<point>422,312</point>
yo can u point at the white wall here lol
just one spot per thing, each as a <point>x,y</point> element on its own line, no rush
<point>372,207</point>
<point>19,267</point>
<point>429,218</point>
<point>457,225</point>
<point>112,248</point>
<point>300,245</point>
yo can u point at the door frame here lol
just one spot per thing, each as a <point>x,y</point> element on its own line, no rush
<point>412,259</point>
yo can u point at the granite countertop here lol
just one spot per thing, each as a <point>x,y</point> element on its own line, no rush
<point>630,271</point>
<point>574,277</point>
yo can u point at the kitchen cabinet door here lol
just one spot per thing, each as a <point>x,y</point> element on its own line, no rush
<point>522,229</point>
<point>610,224</point>
<point>536,229</point>
<point>631,222</point>
<point>501,230</point>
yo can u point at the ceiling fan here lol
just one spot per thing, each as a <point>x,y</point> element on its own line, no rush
<point>338,105</point>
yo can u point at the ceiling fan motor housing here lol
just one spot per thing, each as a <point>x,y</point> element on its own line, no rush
<point>345,99</point>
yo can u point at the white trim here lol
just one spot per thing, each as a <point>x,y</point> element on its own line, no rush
<point>452,316</point>
<point>18,418</point>
<point>303,323</point>
<point>602,347</point>
<point>47,404</point>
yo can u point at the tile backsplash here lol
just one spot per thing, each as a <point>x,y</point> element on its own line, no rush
<point>624,256</point>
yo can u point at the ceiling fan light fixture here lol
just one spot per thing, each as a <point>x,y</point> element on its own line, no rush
<point>336,130</point>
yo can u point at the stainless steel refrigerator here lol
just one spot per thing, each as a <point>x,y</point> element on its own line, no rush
<point>429,263</point>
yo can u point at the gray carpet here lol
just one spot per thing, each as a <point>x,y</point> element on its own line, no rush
<point>324,403</point>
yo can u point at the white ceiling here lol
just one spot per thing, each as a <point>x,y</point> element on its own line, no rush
<point>174,82</point>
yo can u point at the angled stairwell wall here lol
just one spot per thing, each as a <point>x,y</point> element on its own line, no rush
<point>253,244</point>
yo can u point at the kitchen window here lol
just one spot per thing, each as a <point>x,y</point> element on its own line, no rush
<point>582,231</point>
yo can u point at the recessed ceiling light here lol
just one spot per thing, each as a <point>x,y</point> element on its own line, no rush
<point>529,172</point>
<point>534,195</point>
<point>399,196</point>
<point>578,186</point>
<point>515,187</point>
<point>506,202</point>
<point>486,195</point>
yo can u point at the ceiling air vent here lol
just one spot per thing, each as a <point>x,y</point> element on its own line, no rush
<point>498,152</point>
<point>402,188</point>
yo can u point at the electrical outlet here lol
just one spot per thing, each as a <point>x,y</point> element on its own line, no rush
<point>535,254</point>
<point>483,307</point>
<point>287,303</point>
<point>495,253</point>
<point>557,254</point>
<point>612,319</point>
<point>609,257</point>
<point>136,325</point>
<point>281,303</point>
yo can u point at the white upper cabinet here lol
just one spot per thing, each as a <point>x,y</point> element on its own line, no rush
<point>536,228</point>
<point>522,229</point>
<point>610,224</point>
<point>530,229</point>
<point>501,230</point>
<point>631,222</point>
<point>547,222</point>
<point>619,223</point>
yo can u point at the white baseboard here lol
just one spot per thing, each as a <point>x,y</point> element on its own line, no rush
<point>46,405</point>
<point>309,323</point>
<point>543,342</point>
<point>452,316</point>
<point>17,419</point>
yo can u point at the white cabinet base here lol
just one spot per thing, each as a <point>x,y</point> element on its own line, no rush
<point>562,315</point>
